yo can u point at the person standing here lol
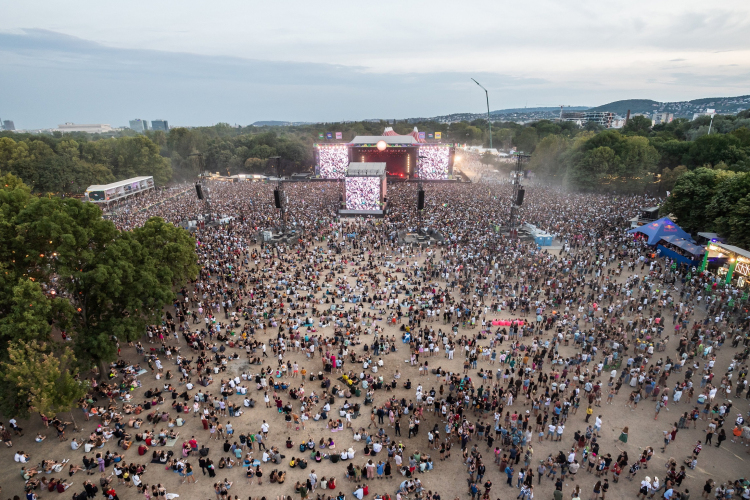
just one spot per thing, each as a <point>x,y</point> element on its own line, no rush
<point>721,437</point>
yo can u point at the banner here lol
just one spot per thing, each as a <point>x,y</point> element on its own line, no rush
<point>320,135</point>
<point>421,136</point>
<point>429,136</point>
<point>339,135</point>
<point>438,135</point>
<point>329,135</point>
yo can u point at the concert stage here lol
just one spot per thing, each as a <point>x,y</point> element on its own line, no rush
<point>404,156</point>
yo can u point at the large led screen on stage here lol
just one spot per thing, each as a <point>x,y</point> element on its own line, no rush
<point>433,162</point>
<point>363,193</point>
<point>332,161</point>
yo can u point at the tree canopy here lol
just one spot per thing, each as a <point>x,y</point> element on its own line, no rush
<point>66,273</point>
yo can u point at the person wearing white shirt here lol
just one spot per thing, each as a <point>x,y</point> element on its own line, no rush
<point>359,493</point>
<point>376,447</point>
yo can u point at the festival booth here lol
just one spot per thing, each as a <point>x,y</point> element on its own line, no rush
<point>680,250</point>
<point>365,187</point>
<point>658,229</point>
<point>729,262</point>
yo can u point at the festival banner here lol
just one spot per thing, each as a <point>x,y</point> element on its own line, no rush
<point>438,135</point>
<point>429,136</point>
<point>329,135</point>
<point>421,136</point>
<point>339,135</point>
<point>320,135</point>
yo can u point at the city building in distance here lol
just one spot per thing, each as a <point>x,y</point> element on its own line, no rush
<point>660,118</point>
<point>603,118</point>
<point>8,125</point>
<point>160,125</point>
<point>709,112</point>
<point>139,125</point>
<point>96,128</point>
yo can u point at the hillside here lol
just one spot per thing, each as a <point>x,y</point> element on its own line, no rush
<point>680,109</point>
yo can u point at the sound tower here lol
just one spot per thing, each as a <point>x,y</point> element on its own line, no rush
<point>277,198</point>
<point>199,191</point>
<point>519,196</point>
<point>420,200</point>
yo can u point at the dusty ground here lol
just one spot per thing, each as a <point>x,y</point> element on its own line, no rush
<point>448,478</point>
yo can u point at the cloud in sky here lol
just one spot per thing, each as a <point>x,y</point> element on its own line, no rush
<point>197,63</point>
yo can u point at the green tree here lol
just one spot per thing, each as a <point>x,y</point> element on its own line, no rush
<point>114,283</point>
<point>526,139</point>
<point>732,191</point>
<point>713,149</point>
<point>547,159</point>
<point>594,167</point>
<point>669,177</point>
<point>693,193</point>
<point>36,378</point>
<point>639,125</point>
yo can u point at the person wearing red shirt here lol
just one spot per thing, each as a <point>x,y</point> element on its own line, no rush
<point>142,449</point>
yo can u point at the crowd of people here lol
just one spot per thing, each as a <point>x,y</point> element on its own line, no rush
<point>507,349</point>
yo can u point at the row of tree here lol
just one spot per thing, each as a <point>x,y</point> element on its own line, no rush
<point>63,165</point>
<point>70,163</point>
<point>71,287</point>
<point>710,199</point>
<point>639,155</point>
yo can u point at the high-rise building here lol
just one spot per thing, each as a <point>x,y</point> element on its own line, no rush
<point>139,125</point>
<point>160,125</point>
<point>660,118</point>
<point>8,125</point>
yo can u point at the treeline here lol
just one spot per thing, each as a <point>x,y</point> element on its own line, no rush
<point>69,163</point>
<point>71,287</point>
<point>583,158</point>
<point>715,200</point>
<point>639,156</point>
<point>65,165</point>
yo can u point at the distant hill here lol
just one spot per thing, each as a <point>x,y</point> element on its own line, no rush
<point>273,123</point>
<point>680,109</point>
<point>519,115</point>
<point>544,109</point>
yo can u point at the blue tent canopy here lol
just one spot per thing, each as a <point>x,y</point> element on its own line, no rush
<point>685,245</point>
<point>659,229</point>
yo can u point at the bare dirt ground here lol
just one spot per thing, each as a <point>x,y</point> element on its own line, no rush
<point>448,478</point>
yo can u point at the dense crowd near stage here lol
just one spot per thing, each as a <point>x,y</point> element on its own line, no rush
<point>590,369</point>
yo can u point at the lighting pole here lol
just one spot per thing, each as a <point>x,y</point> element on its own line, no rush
<point>489,123</point>
<point>711,123</point>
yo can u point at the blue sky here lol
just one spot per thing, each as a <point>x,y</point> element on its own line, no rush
<point>198,63</point>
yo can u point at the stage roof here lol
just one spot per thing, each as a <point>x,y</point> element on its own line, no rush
<point>659,229</point>
<point>366,169</point>
<point>388,139</point>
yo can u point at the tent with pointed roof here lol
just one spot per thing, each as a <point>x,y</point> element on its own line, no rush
<point>659,229</point>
